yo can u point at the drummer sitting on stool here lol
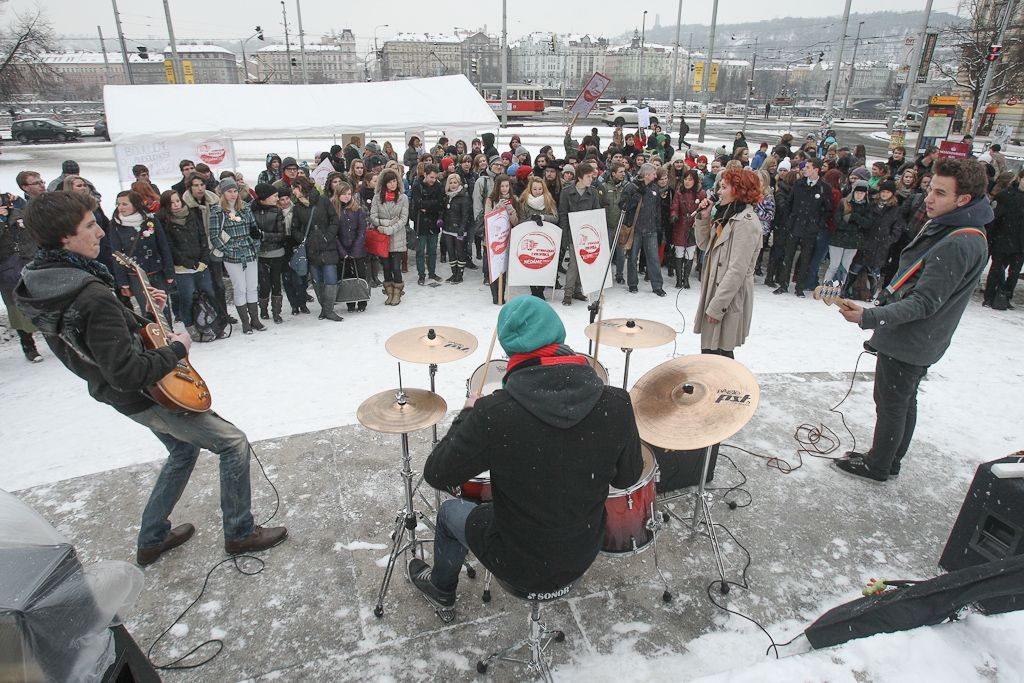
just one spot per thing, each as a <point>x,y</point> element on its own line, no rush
<point>553,439</point>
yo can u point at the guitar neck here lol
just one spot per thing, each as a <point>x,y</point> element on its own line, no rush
<point>157,313</point>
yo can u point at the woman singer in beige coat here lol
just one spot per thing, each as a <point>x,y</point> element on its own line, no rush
<point>731,243</point>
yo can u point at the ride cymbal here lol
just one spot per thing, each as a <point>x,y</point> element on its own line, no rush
<point>692,402</point>
<point>629,333</point>
<point>392,413</point>
<point>431,344</point>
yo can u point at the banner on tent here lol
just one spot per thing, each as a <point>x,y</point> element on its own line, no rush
<point>589,230</point>
<point>162,158</point>
<point>533,254</point>
<point>496,232</point>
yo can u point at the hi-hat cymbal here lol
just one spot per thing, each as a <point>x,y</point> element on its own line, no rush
<point>386,412</point>
<point>629,333</point>
<point>691,402</point>
<point>431,344</point>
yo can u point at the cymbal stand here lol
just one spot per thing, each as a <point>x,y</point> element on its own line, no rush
<point>702,513</point>
<point>625,373</point>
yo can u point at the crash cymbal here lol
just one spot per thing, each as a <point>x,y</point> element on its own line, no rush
<point>431,344</point>
<point>691,402</point>
<point>629,333</point>
<point>386,412</point>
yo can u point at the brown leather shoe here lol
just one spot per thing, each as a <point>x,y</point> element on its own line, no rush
<point>259,539</point>
<point>177,536</point>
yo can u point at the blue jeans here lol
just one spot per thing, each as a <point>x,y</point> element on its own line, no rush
<point>820,249</point>
<point>450,545</point>
<point>184,434</point>
<point>426,255</point>
<point>324,275</point>
<point>649,242</point>
<point>188,283</point>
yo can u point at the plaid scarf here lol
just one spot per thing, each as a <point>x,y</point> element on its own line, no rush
<point>552,354</point>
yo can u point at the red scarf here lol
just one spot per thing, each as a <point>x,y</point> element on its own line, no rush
<point>390,196</point>
<point>552,354</point>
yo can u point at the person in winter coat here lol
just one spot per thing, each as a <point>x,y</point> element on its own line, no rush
<point>351,236</point>
<point>501,197</point>
<point>190,252</point>
<point>289,172</point>
<point>456,217</point>
<point>272,256</point>
<point>683,239</point>
<point>834,180</point>
<point>808,210</point>
<point>389,215</point>
<point>641,203</point>
<point>427,205</point>
<point>1006,242</point>
<point>610,194</point>
<point>546,524</point>
<point>854,217</point>
<point>137,233</point>
<point>536,201</point>
<point>684,130</point>
<point>780,230</point>
<point>315,224</point>
<point>412,153</point>
<point>481,191</point>
<point>739,141</point>
<point>731,242</point>
<point>765,211</point>
<point>234,233</point>
<point>272,173</point>
<point>920,310</point>
<point>886,229</point>
<point>17,247</point>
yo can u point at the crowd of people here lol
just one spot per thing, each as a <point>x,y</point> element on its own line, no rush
<point>358,210</point>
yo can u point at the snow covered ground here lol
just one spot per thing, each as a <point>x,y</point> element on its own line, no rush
<point>308,375</point>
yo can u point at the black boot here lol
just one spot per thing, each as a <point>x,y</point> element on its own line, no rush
<point>687,265</point>
<point>275,308</point>
<point>678,266</point>
<point>243,317</point>
<point>254,317</point>
<point>264,314</point>
<point>671,263</point>
<point>28,346</point>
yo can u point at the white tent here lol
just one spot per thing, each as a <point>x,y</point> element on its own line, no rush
<point>141,114</point>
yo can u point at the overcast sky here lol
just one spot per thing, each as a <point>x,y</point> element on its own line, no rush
<point>235,20</point>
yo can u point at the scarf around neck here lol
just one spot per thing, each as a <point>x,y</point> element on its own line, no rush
<point>132,221</point>
<point>73,260</point>
<point>536,203</point>
<point>552,354</point>
<point>178,217</point>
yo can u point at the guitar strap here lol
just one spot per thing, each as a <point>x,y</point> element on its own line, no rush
<point>902,276</point>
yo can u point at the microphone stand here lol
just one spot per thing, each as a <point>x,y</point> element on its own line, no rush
<point>596,308</point>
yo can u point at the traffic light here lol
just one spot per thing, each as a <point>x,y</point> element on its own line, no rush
<point>554,43</point>
<point>692,67</point>
<point>259,32</point>
<point>993,53</point>
<point>821,56</point>
<point>143,52</point>
<point>295,62</point>
<point>473,67</point>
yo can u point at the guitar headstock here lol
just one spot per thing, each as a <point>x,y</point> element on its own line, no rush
<point>829,293</point>
<point>126,261</point>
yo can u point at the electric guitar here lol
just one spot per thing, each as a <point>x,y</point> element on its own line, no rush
<point>831,294</point>
<point>182,388</point>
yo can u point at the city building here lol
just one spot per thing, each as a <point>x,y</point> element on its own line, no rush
<point>333,60</point>
<point>418,55</point>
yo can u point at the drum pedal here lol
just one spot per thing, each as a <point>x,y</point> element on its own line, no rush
<point>446,614</point>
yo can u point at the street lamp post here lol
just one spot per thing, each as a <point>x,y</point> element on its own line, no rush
<point>245,68</point>
<point>675,62</point>
<point>750,88</point>
<point>640,80</point>
<point>287,44</point>
<point>853,62</point>
<point>709,60</point>
<point>376,50</point>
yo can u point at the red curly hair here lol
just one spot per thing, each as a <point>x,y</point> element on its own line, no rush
<point>746,186</point>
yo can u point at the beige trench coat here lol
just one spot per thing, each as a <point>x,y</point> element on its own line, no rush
<point>727,280</point>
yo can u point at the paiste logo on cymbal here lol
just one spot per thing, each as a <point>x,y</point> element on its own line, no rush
<point>590,244</point>
<point>535,250</point>
<point>732,396</point>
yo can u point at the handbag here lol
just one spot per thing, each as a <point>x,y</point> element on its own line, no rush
<point>353,289</point>
<point>626,231</point>
<point>299,262</point>
<point>412,240</point>
<point>377,243</point>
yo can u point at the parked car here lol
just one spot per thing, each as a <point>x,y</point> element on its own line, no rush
<point>26,130</point>
<point>99,129</point>
<point>624,114</point>
<point>914,120</point>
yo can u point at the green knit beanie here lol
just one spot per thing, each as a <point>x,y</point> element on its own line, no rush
<point>527,323</point>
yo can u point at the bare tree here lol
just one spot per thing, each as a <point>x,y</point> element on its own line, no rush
<point>971,42</point>
<point>22,46</point>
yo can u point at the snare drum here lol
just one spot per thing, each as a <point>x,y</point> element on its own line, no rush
<point>628,529</point>
<point>602,373</point>
<point>493,373</point>
<point>477,489</point>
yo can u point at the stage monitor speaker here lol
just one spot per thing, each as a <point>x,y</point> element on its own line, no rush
<point>681,469</point>
<point>990,525</point>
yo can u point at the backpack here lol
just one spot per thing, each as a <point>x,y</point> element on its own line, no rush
<point>207,320</point>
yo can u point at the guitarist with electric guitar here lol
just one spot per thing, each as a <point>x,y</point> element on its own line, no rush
<point>138,367</point>
<point>921,308</point>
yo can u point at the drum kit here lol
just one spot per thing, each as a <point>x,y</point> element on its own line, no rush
<point>684,404</point>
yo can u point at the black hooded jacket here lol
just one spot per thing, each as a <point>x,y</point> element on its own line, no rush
<point>554,439</point>
<point>94,335</point>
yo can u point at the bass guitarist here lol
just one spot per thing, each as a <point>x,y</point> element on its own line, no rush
<point>69,295</point>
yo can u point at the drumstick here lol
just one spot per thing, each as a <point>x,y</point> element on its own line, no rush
<point>494,337</point>
<point>600,317</point>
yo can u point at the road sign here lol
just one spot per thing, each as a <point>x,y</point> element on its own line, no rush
<point>926,58</point>
<point>169,70</point>
<point>713,85</point>
<point>186,68</point>
<point>698,76</point>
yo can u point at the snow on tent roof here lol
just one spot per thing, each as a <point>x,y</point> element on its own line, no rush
<point>240,112</point>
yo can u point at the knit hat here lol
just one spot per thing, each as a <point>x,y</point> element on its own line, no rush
<point>494,160</point>
<point>506,155</point>
<point>860,173</point>
<point>372,146</point>
<point>887,185</point>
<point>335,149</point>
<point>679,156</point>
<point>522,150</point>
<point>264,190</point>
<point>447,163</point>
<point>861,185</point>
<point>523,172</point>
<point>226,184</point>
<point>568,168</point>
<point>527,323</point>
<point>702,159</point>
<point>69,167</point>
<point>289,162</point>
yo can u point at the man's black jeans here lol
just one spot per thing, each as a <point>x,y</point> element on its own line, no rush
<point>896,385</point>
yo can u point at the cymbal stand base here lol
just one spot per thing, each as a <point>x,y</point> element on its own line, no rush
<point>656,523</point>
<point>702,513</point>
<point>404,536</point>
<point>625,373</point>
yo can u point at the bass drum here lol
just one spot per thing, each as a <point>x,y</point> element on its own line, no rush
<point>629,529</point>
